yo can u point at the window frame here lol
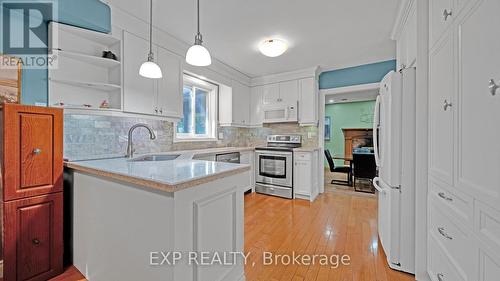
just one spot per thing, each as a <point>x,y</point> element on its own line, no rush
<point>212,97</point>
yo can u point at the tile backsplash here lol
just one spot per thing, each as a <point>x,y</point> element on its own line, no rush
<point>91,137</point>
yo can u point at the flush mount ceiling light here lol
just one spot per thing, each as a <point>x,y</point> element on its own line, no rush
<point>198,55</point>
<point>273,47</point>
<point>150,69</point>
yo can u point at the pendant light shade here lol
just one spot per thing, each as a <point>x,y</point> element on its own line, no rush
<point>150,69</point>
<point>198,55</point>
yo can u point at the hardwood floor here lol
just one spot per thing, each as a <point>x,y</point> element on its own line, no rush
<point>339,223</point>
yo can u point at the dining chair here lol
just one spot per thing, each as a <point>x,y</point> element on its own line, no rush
<point>338,169</point>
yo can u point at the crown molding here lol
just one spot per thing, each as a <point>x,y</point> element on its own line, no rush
<point>405,8</point>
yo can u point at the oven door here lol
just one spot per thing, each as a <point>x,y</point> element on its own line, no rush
<point>274,167</point>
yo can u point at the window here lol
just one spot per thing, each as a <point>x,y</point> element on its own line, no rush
<point>199,106</point>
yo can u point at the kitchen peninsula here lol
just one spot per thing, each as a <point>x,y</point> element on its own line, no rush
<point>124,211</point>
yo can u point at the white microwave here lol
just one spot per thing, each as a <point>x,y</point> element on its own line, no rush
<point>278,113</point>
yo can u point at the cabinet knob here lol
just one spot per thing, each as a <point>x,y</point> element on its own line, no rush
<point>440,276</point>
<point>447,14</point>
<point>446,104</point>
<point>444,234</point>
<point>35,241</point>
<point>37,151</point>
<point>156,109</point>
<point>493,87</point>
<point>161,110</point>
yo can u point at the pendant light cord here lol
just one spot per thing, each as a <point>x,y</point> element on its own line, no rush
<point>151,28</point>
<point>198,8</point>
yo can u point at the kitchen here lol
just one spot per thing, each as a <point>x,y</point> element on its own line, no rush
<point>218,145</point>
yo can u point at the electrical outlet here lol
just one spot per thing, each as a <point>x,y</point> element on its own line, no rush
<point>311,135</point>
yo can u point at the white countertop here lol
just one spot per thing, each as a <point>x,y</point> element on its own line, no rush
<point>169,176</point>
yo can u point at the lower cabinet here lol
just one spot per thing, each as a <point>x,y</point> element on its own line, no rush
<point>305,175</point>
<point>247,157</point>
<point>33,238</point>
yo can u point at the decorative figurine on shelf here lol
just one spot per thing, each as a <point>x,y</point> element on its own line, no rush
<point>108,55</point>
<point>104,104</point>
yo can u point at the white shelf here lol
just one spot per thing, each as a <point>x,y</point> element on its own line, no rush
<point>94,60</point>
<point>97,37</point>
<point>96,86</point>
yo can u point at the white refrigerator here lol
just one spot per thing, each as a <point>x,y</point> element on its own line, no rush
<point>394,144</point>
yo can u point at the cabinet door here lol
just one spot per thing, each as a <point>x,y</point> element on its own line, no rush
<point>139,94</point>
<point>256,114</point>
<point>479,111</point>
<point>170,86</point>
<point>308,102</point>
<point>33,151</point>
<point>33,238</point>
<point>248,158</point>
<point>439,22</point>
<point>270,93</point>
<point>241,104</point>
<point>289,92</point>
<point>441,88</point>
<point>302,177</point>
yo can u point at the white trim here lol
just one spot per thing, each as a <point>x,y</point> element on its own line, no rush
<point>285,76</point>
<point>351,89</point>
<point>405,8</point>
<point>357,63</point>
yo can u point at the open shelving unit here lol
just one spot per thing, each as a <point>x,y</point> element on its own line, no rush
<point>81,78</point>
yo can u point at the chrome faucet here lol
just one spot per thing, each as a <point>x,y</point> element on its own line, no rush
<point>130,144</point>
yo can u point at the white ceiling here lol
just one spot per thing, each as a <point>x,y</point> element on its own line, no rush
<point>328,33</point>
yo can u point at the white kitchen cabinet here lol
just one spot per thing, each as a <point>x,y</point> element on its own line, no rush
<point>308,102</point>
<point>442,105</point>
<point>234,105</point>
<point>169,95</point>
<point>305,175</point>
<point>464,165</point>
<point>271,93</point>
<point>478,167</point>
<point>256,113</point>
<point>289,92</point>
<point>139,94</point>
<point>160,97</point>
<point>248,157</point>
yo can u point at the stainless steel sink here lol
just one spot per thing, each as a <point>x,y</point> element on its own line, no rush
<point>157,157</point>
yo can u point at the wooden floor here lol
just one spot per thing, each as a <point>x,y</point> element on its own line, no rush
<point>339,222</point>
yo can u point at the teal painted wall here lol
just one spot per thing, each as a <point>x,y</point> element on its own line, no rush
<point>346,115</point>
<point>363,74</point>
<point>90,14</point>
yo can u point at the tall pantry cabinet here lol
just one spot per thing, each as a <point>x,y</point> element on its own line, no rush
<point>31,156</point>
<point>464,130</point>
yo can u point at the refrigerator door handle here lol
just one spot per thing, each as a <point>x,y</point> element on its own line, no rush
<point>377,187</point>
<point>375,131</point>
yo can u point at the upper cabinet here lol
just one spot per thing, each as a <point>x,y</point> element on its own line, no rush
<point>160,97</point>
<point>406,37</point>
<point>234,105</point>
<point>256,117</point>
<point>271,93</point>
<point>308,101</point>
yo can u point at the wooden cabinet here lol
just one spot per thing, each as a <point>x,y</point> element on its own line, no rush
<point>248,157</point>
<point>32,151</point>
<point>271,93</point>
<point>160,97</point>
<point>441,15</point>
<point>32,184</point>
<point>289,92</point>
<point>354,138</point>
<point>33,242</point>
<point>234,105</point>
<point>305,175</point>
<point>308,102</point>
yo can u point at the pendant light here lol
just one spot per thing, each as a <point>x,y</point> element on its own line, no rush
<point>150,69</point>
<point>198,55</point>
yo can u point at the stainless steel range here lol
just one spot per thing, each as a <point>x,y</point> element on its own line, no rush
<point>274,169</point>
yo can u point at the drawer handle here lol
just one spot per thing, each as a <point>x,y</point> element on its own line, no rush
<point>37,151</point>
<point>442,195</point>
<point>447,14</point>
<point>35,241</point>
<point>440,276</point>
<point>444,234</point>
